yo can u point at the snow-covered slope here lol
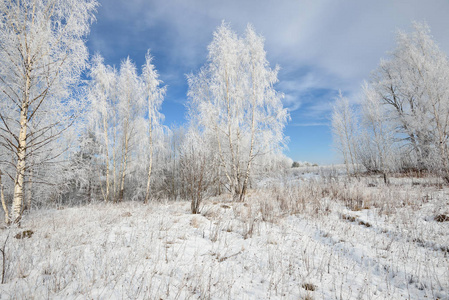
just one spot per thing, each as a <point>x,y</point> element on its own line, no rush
<point>251,250</point>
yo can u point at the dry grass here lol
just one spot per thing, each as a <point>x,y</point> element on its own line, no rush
<point>322,238</point>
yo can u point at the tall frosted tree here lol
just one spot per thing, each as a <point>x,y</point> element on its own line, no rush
<point>344,130</point>
<point>233,100</point>
<point>154,95</point>
<point>377,141</point>
<point>412,84</point>
<point>126,125</point>
<point>103,99</point>
<point>129,101</point>
<point>42,53</point>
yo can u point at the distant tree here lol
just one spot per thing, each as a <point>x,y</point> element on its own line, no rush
<point>344,129</point>
<point>171,185</point>
<point>195,162</point>
<point>295,164</point>
<point>377,142</point>
<point>42,54</point>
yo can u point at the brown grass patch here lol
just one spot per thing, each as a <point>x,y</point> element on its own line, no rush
<point>441,218</point>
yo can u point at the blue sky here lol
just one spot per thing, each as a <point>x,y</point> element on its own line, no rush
<point>321,47</point>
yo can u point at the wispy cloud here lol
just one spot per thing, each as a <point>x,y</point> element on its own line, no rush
<point>310,124</point>
<point>321,46</point>
<point>340,42</point>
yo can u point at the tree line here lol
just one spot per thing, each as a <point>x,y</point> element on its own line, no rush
<point>64,138</point>
<point>402,121</point>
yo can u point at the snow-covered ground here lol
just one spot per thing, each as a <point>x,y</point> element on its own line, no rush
<point>276,245</point>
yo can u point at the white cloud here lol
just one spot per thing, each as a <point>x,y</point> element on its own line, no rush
<point>291,102</point>
<point>310,124</point>
<point>340,42</point>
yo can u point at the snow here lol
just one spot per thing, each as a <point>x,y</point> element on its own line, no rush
<point>251,250</point>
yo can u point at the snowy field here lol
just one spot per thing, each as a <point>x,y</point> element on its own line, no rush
<point>289,240</point>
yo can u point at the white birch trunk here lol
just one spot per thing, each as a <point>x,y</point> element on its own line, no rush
<point>106,142</point>
<point>20,169</point>
<point>124,165</point>
<point>114,169</point>
<point>29,194</point>
<point>4,205</point>
<point>147,192</point>
<point>233,184</point>
<point>253,133</point>
<point>21,153</point>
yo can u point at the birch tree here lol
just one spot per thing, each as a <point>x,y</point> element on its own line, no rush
<point>126,124</point>
<point>234,101</point>
<point>154,95</point>
<point>196,160</point>
<point>343,122</point>
<point>102,97</point>
<point>264,108</point>
<point>377,146</point>
<point>128,95</point>
<point>42,54</point>
<point>413,83</point>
